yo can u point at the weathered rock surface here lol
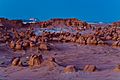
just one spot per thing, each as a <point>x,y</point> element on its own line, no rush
<point>89,68</point>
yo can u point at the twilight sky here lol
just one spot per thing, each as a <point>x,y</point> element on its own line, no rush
<point>87,10</point>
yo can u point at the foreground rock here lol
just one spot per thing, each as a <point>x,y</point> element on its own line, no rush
<point>90,68</point>
<point>16,62</point>
<point>69,69</point>
<point>35,60</point>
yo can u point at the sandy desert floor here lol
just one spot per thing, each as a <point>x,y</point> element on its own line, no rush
<point>105,58</point>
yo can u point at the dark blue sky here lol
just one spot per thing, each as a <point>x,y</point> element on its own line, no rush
<point>88,10</point>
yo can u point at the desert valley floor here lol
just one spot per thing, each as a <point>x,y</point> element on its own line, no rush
<point>104,57</point>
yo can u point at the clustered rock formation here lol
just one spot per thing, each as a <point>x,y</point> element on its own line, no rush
<point>67,22</point>
<point>22,39</point>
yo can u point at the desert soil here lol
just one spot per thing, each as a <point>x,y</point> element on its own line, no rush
<point>105,58</point>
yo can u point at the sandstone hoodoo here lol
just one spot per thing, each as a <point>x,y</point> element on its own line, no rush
<point>16,62</point>
<point>35,60</point>
<point>69,69</point>
<point>89,68</point>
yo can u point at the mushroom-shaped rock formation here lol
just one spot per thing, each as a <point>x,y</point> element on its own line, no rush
<point>35,60</point>
<point>90,68</point>
<point>69,69</point>
<point>16,62</point>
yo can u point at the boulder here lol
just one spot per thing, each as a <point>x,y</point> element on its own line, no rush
<point>16,62</point>
<point>89,68</point>
<point>25,44</point>
<point>69,69</point>
<point>18,46</point>
<point>35,60</point>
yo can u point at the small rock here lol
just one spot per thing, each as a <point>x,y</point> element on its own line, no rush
<point>16,62</point>
<point>69,69</point>
<point>89,68</point>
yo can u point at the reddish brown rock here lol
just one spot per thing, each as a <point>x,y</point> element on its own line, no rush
<point>18,46</point>
<point>33,38</point>
<point>69,69</point>
<point>22,34</point>
<point>116,43</point>
<point>89,68</point>
<point>25,44</point>
<point>35,60</point>
<point>12,44</point>
<point>16,62</point>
